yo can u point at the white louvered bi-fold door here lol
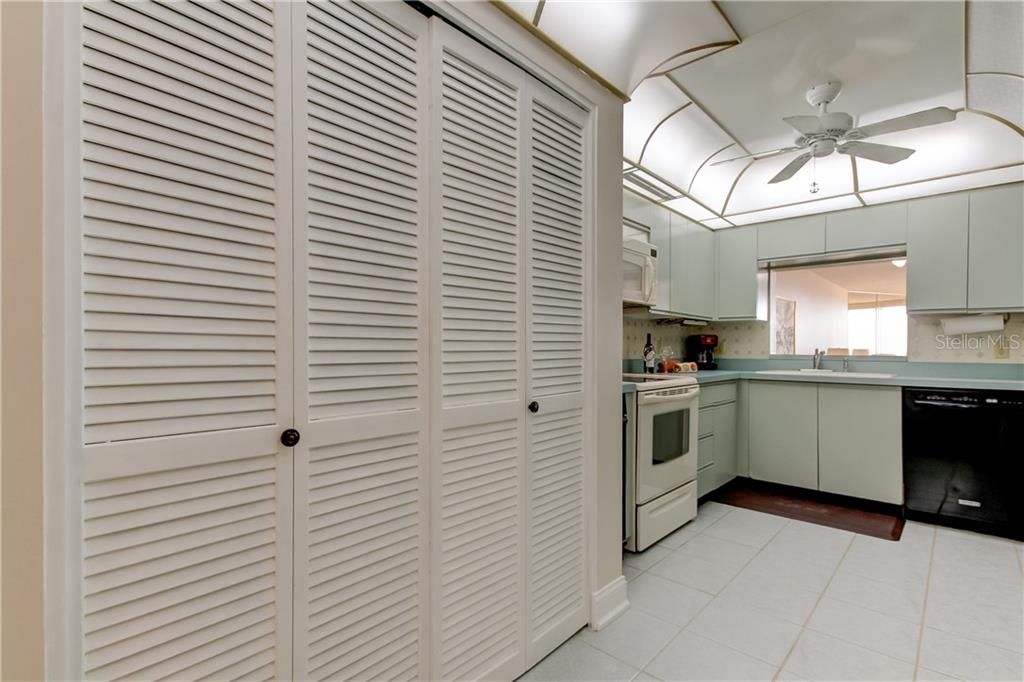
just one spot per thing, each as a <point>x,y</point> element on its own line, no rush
<point>508,579</point>
<point>360,467</point>
<point>553,132</point>
<point>186,291</point>
<point>477,365</point>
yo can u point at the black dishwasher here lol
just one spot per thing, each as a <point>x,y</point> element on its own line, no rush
<point>963,458</point>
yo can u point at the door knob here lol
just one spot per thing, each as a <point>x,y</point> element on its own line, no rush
<point>533,407</point>
<point>290,438</point>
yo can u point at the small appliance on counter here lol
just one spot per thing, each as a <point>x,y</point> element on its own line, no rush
<point>700,348</point>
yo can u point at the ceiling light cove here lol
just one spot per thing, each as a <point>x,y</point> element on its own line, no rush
<point>890,113</point>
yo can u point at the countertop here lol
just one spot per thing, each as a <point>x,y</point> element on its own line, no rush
<point>714,376</point>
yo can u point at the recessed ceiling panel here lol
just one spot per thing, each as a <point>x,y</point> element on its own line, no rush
<point>999,94</point>
<point>893,58</point>
<point>716,223</point>
<point>819,206</point>
<point>712,184</point>
<point>833,174</point>
<point>971,142</point>
<point>999,176</point>
<point>625,41</point>
<point>753,16</point>
<point>995,38</point>
<point>690,208</point>
<point>681,144</point>
<point>650,104</point>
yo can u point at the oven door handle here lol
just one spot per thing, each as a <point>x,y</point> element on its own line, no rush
<point>943,403</point>
<point>678,397</point>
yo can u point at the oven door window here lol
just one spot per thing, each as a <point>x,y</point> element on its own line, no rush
<point>671,436</point>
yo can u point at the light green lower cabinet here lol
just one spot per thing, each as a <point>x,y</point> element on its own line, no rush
<point>716,449</point>
<point>860,442</point>
<point>783,432</point>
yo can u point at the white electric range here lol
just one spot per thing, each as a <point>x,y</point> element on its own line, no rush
<point>660,457</point>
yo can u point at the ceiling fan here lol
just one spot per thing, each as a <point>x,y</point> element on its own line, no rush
<point>834,132</point>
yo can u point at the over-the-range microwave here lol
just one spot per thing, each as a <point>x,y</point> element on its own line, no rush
<point>639,272</point>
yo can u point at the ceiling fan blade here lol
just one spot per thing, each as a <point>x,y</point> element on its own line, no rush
<point>883,153</point>
<point>758,155</point>
<point>920,119</point>
<point>808,125</point>
<point>791,168</point>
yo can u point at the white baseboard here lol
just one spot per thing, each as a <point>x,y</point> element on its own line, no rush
<point>608,603</point>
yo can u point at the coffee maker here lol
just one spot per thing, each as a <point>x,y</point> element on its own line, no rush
<point>700,348</point>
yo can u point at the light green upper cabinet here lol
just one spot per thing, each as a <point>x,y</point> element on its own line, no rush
<point>937,253</point>
<point>866,228</point>
<point>995,266</point>
<point>693,269</point>
<point>699,272</point>
<point>793,237</point>
<point>783,432</point>
<point>860,449</point>
<point>661,237</point>
<point>636,208</point>
<point>742,289</point>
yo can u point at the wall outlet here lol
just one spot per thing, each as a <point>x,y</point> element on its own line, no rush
<point>1001,351</point>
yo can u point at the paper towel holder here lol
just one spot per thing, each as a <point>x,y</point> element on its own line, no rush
<point>974,324</point>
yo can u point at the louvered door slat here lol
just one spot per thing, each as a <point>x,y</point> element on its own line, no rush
<point>556,586</point>
<point>360,389</point>
<point>184,261</point>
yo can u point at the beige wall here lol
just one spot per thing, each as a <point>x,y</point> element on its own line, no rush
<point>21,526</point>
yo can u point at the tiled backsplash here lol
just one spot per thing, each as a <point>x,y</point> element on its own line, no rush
<point>750,340</point>
<point>735,339</point>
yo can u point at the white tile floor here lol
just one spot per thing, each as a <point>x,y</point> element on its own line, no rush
<point>741,595</point>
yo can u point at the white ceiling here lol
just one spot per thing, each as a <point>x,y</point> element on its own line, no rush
<point>746,64</point>
<point>893,58</point>
<point>879,277</point>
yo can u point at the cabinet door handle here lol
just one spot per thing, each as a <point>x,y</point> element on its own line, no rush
<point>533,407</point>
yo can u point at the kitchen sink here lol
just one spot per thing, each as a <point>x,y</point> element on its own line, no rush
<point>824,372</point>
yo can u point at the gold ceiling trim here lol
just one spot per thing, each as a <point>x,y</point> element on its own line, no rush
<point>562,52</point>
<point>707,113</point>
<point>731,189</point>
<point>995,73</point>
<point>704,162</point>
<point>856,180</point>
<point>643,150</point>
<point>795,203</point>
<point>693,61</point>
<point>1009,124</point>
<point>724,44</point>
<point>725,18</point>
<point>537,12</point>
<point>876,189</point>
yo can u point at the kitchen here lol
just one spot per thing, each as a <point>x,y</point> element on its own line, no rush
<point>536,340</point>
<point>823,398</point>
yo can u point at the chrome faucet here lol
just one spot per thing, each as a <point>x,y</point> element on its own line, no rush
<point>819,355</point>
<point>846,364</point>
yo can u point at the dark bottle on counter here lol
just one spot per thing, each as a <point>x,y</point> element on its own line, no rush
<point>649,356</point>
